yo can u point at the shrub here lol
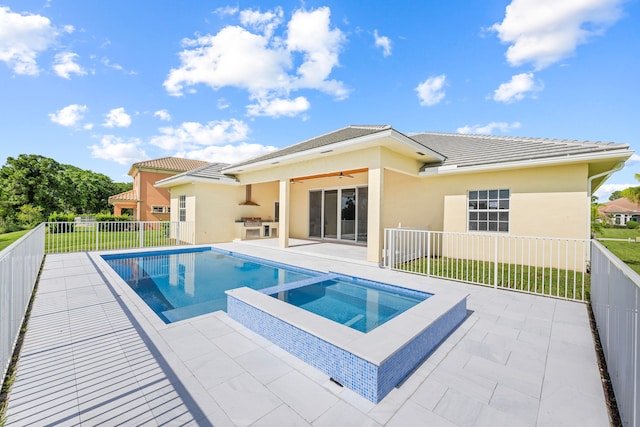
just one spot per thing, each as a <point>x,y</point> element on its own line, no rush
<point>62,223</point>
<point>103,218</point>
<point>633,224</point>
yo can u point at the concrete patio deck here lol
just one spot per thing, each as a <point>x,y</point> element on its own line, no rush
<point>92,357</point>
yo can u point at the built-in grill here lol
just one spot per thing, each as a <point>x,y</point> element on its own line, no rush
<point>252,222</point>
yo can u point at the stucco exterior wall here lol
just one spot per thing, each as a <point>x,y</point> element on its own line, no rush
<point>545,201</point>
<point>151,196</point>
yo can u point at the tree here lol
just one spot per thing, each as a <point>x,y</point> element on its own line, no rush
<point>30,179</point>
<point>632,193</point>
<point>615,195</point>
<point>43,186</point>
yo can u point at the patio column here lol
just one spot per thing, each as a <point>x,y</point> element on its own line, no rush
<point>283,226</point>
<point>375,232</point>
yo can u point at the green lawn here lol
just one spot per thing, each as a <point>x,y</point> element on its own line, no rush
<point>628,252</point>
<point>88,239</point>
<point>548,281</point>
<point>8,238</point>
<point>619,233</point>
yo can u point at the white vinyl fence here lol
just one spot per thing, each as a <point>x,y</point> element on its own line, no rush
<point>615,299</point>
<point>19,267</point>
<point>109,235</point>
<point>546,266</point>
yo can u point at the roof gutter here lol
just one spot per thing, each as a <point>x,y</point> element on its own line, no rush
<point>590,189</point>
<point>451,169</point>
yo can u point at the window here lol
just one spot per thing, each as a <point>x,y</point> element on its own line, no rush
<point>489,210</point>
<point>167,209</point>
<point>182,208</point>
<point>157,209</point>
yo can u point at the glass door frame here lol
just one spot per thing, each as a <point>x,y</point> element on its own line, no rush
<point>357,233</point>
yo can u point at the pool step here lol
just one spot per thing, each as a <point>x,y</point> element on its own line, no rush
<point>298,284</point>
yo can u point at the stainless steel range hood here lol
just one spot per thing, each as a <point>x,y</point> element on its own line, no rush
<point>247,198</point>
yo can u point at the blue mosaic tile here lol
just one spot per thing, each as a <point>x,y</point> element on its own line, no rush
<point>365,378</point>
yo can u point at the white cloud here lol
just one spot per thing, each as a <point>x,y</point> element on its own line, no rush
<point>69,116</point>
<point>163,115</point>
<point>260,62</point>
<point>22,38</point>
<point>520,86</point>
<point>310,33</point>
<point>228,153</point>
<point>543,32</point>
<point>222,104</point>
<point>382,42</point>
<point>107,63</point>
<point>192,135</point>
<point>605,190</point>
<point>117,118</point>
<point>431,91</point>
<point>226,10</point>
<point>64,65</point>
<point>279,107</point>
<point>489,129</point>
<point>69,29</point>
<point>265,23</point>
<point>114,148</point>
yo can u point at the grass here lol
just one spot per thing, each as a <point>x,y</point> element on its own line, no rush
<point>619,233</point>
<point>547,281</point>
<point>88,239</point>
<point>8,238</point>
<point>628,252</point>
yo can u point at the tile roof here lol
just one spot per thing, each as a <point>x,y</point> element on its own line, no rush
<point>471,150</point>
<point>177,164</point>
<point>128,196</point>
<point>622,205</point>
<point>344,134</point>
<point>212,171</point>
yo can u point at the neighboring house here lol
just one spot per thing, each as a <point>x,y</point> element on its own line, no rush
<point>145,202</point>
<point>620,211</point>
<point>350,184</point>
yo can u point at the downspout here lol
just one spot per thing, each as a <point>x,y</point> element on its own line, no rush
<point>618,167</point>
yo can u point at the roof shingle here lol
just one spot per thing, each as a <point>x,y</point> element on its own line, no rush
<point>177,164</point>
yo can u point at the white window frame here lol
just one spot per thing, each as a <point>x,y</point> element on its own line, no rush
<point>488,211</point>
<point>182,208</point>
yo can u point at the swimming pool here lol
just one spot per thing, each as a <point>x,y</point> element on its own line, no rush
<point>179,284</point>
<point>356,303</point>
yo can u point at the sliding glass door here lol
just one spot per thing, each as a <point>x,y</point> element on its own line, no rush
<point>339,214</point>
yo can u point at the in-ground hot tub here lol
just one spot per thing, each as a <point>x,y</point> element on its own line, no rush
<point>371,363</point>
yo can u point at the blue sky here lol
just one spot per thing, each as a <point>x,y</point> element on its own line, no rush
<point>101,85</point>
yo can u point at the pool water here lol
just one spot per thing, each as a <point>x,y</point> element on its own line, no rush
<point>181,284</point>
<point>358,304</point>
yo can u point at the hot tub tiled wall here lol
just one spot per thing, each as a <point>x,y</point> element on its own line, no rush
<point>369,379</point>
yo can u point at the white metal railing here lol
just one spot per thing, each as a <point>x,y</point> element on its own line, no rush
<point>546,266</point>
<point>19,267</point>
<point>615,300</point>
<point>109,235</point>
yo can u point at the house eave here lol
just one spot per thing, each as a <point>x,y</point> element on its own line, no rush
<point>185,179</point>
<point>330,148</point>
<point>622,155</point>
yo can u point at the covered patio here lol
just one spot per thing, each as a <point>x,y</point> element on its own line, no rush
<point>91,356</point>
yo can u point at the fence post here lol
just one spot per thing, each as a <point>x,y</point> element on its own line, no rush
<point>495,262</point>
<point>141,234</point>
<point>428,253</point>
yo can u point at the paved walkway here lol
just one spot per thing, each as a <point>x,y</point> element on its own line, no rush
<point>92,357</point>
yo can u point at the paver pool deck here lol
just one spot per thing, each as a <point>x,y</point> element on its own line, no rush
<point>91,357</point>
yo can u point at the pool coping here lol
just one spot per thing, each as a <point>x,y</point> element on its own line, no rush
<point>376,346</point>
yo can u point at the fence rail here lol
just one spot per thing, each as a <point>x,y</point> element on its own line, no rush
<point>615,299</point>
<point>546,266</point>
<point>19,267</point>
<point>108,235</point>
